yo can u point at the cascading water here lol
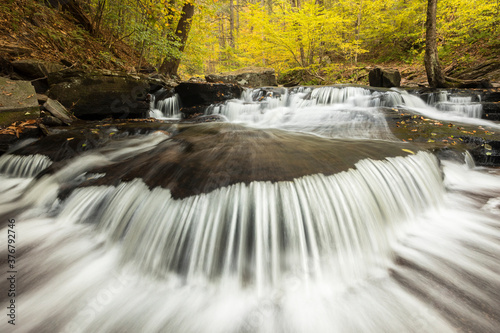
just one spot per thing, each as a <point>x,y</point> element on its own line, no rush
<point>342,112</point>
<point>351,236</point>
<point>164,107</point>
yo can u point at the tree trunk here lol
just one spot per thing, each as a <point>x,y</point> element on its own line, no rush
<point>231,23</point>
<point>358,29</point>
<point>171,65</point>
<point>435,75</point>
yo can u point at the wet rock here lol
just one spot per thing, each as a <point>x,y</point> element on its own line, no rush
<point>204,157</point>
<point>95,96</point>
<point>491,111</point>
<point>211,118</point>
<point>17,101</point>
<point>51,121</point>
<point>487,153</point>
<point>385,78</point>
<point>193,111</point>
<point>247,77</point>
<point>195,94</point>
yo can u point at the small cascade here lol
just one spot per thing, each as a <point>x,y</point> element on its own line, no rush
<point>461,106</point>
<point>164,107</point>
<point>334,112</point>
<point>252,227</point>
<point>258,233</point>
<point>457,105</point>
<point>23,166</point>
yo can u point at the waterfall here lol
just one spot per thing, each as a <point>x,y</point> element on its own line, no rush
<point>23,166</point>
<point>334,112</point>
<point>340,111</point>
<point>168,107</point>
<point>226,228</point>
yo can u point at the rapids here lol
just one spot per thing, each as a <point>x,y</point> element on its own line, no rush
<point>254,227</point>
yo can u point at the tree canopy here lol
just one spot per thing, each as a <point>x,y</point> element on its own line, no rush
<point>286,34</point>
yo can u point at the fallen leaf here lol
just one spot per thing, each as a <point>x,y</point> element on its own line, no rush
<point>408,150</point>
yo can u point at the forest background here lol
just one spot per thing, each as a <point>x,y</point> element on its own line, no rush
<point>322,41</point>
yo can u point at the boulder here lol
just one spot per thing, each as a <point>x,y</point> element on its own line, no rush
<point>58,110</point>
<point>98,95</point>
<point>491,111</point>
<point>51,121</point>
<point>385,78</point>
<point>197,94</point>
<point>35,69</point>
<point>247,77</point>
<point>17,101</point>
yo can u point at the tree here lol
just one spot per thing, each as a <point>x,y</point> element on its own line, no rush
<point>435,75</point>
<point>170,64</point>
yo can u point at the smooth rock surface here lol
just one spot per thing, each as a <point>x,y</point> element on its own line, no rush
<point>58,110</point>
<point>18,101</point>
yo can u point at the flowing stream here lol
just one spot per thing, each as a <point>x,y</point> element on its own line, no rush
<point>350,236</point>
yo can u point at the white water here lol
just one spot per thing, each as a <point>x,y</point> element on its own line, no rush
<point>313,255</point>
<point>405,244</point>
<point>340,112</point>
<point>168,108</point>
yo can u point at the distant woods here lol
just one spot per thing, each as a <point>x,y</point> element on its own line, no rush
<point>320,36</point>
<point>200,36</point>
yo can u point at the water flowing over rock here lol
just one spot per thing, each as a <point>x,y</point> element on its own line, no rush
<point>277,220</point>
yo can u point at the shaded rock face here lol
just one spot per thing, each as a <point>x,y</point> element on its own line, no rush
<point>34,68</point>
<point>247,77</point>
<point>198,95</point>
<point>204,157</point>
<point>18,101</point>
<point>385,78</point>
<point>98,96</point>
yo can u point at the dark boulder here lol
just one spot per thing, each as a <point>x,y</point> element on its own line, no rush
<point>247,77</point>
<point>385,78</point>
<point>196,94</point>
<point>99,95</point>
<point>491,111</point>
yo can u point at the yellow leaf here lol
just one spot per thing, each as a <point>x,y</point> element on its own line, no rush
<point>408,151</point>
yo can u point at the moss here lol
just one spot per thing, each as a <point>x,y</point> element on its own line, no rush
<point>9,117</point>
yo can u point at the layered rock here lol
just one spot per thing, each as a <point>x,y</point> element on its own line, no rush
<point>247,77</point>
